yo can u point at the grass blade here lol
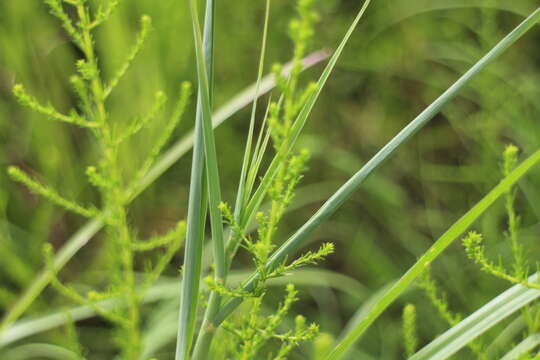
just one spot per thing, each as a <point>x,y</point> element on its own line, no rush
<point>241,193</point>
<point>479,322</point>
<point>528,344</point>
<point>189,297</point>
<point>332,204</point>
<point>77,241</point>
<point>214,194</point>
<point>206,332</point>
<point>41,350</point>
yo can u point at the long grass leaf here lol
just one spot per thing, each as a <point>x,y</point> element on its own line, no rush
<point>214,194</point>
<point>241,193</point>
<point>189,296</point>
<point>167,289</point>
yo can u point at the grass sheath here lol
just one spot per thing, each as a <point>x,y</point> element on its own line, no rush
<point>340,196</point>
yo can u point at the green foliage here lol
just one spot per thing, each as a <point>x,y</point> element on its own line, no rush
<point>438,299</point>
<point>119,275</point>
<point>107,176</point>
<point>48,110</point>
<point>248,335</point>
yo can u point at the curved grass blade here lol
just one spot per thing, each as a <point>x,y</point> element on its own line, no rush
<point>165,161</point>
<point>506,337</point>
<point>479,322</point>
<point>28,327</point>
<point>332,204</point>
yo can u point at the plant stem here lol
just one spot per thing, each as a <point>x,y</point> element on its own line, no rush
<point>113,198</point>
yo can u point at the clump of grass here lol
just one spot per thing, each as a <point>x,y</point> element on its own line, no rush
<point>277,185</point>
<point>108,175</point>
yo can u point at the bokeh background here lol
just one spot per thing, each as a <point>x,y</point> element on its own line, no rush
<point>402,56</point>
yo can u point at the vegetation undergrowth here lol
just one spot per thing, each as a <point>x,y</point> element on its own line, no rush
<point>226,309</point>
<point>108,176</point>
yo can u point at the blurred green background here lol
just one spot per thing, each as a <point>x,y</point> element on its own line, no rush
<point>401,57</point>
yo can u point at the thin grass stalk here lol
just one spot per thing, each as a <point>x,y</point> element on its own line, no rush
<point>334,202</point>
<point>241,193</point>
<point>189,296</point>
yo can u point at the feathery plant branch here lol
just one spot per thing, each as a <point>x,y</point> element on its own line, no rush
<point>50,193</point>
<point>474,244</point>
<point>439,300</point>
<point>253,331</point>
<point>334,202</point>
<point>108,176</point>
<point>48,110</point>
<point>409,329</point>
<point>141,37</point>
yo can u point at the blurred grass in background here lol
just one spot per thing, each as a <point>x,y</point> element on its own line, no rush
<point>402,56</point>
